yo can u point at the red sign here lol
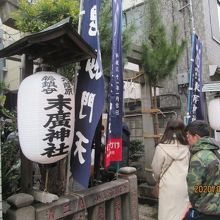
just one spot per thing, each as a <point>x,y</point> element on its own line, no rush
<point>113,151</point>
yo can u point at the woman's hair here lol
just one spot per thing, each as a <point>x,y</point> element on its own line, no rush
<point>175,130</point>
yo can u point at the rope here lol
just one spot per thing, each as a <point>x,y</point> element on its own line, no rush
<point>46,180</point>
<point>84,203</point>
<point>134,77</point>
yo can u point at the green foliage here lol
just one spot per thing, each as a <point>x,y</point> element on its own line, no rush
<point>44,13</point>
<point>105,29</point>
<point>68,71</point>
<point>10,168</point>
<point>160,53</point>
<point>3,87</point>
<point>9,148</point>
<point>3,111</point>
<point>10,153</point>
<point>136,150</point>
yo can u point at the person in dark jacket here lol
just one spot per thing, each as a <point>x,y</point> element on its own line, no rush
<point>125,145</point>
<point>203,177</point>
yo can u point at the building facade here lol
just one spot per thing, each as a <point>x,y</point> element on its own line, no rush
<point>204,19</point>
<point>201,16</point>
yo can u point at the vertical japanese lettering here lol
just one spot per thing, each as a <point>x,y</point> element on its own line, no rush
<point>93,21</point>
<point>67,86</point>
<point>58,125</point>
<point>92,67</point>
<point>79,147</point>
<point>87,100</point>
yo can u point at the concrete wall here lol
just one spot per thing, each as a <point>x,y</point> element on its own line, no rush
<point>12,77</point>
<point>131,4</point>
<point>12,73</point>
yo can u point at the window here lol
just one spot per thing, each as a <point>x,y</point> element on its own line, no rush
<point>218,9</point>
<point>136,126</point>
<point>214,10</point>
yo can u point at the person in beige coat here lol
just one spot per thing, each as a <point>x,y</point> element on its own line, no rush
<point>170,167</point>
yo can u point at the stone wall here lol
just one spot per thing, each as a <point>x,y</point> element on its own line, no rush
<point>115,200</point>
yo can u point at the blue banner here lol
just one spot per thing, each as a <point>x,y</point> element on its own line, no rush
<point>89,98</point>
<point>113,151</point>
<point>195,101</point>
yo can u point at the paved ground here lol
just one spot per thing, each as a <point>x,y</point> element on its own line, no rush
<point>147,212</point>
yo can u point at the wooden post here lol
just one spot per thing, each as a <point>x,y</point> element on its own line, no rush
<point>26,165</point>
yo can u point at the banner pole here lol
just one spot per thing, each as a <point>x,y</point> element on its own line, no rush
<point>117,169</point>
<point>69,175</point>
<point>190,70</point>
<point>81,13</point>
<point>192,16</point>
<point>190,79</point>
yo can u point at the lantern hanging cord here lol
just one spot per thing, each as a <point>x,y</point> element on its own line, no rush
<point>46,180</point>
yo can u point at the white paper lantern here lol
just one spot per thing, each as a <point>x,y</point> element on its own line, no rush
<point>46,117</point>
<point>214,113</point>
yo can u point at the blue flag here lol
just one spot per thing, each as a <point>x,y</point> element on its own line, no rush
<point>89,98</point>
<point>113,150</point>
<point>195,101</point>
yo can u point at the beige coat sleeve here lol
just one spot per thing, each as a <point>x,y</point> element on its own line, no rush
<point>157,163</point>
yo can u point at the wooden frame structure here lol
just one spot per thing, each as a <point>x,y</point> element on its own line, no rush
<point>56,46</point>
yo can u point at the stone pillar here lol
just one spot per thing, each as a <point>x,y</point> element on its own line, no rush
<point>20,207</point>
<point>110,208</point>
<point>148,131</point>
<point>98,212</point>
<point>130,202</point>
